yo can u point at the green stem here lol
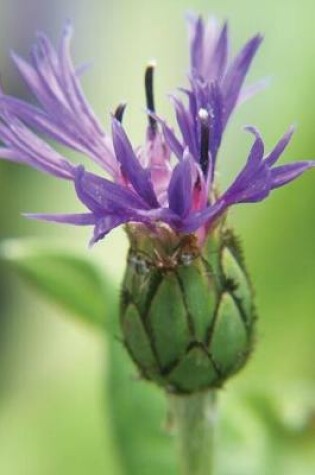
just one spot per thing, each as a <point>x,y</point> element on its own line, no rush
<point>194,418</point>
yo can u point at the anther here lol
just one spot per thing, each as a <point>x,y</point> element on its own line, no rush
<point>204,140</point>
<point>119,112</point>
<point>149,94</point>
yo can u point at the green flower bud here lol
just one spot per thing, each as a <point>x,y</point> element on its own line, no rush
<point>187,313</point>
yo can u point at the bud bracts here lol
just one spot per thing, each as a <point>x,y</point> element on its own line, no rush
<point>187,315</point>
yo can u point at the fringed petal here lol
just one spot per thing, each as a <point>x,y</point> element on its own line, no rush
<point>286,173</point>
<point>273,156</point>
<point>79,219</point>
<point>181,187</point>
<point>64,112</point>
<point>101,195</point>
<point>24,146</point>
<point>236,74</point>
<point>131,168</point>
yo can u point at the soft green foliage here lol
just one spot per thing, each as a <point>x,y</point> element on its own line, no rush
<point>71,280</point>
<point>267,432</point>
<point>137,411</point>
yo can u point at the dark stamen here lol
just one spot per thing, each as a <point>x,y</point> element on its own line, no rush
<point>119,112</point>
<point>204,140</point>
<point>148,82</point>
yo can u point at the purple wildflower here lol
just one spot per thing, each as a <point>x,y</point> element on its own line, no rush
<point>216,86</point>
<point>145,186</point>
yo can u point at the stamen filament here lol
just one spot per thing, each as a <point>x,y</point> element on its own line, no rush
<point>148,81</point>
<point>204,140</point>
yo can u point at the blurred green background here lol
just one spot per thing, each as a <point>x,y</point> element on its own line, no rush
<point>52,416</point>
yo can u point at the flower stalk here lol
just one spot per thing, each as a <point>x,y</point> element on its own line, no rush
<point>194,418</point>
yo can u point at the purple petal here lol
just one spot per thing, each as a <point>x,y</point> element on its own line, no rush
<point>255,158</point>
<point>73,88</point>
<point>236,74</point>
<point>148,217</point>
<point>273,156</point>
<point>206,96</point>
<point>193,107</point>
<point>218,61</point>
<point>215,113</point>
<point>9,154</point>
<point>80,219</point>
<point>101,195</point>
<point>196,33</point>
<point>131,168</point>
<point>66,115</point>
<point>31,78</point>
<point>195,220</point>
<point>35,117</point>
<point>154,215</point>
<point>180,187</point>
<point>256,189</point>
<point>44,68</point>
<point>105,224</point>
<point>257,151</point>
<point>31,150</point>
<point>285,173</point>
<point>253,182</point>
<point>172,141</point>
<point>169,135</point>
<point>186,124</point>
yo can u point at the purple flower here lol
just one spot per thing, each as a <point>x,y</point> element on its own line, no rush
<point>216,86</point>
<point>210,62</point>
<point>146,185</point>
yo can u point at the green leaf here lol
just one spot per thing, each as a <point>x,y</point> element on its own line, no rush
<point>135,409</point>
<point>70,279</point>
<point>271,431</point>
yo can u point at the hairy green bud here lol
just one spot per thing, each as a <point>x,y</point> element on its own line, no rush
<point>187,313</point>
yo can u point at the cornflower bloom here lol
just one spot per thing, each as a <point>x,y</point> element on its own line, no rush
<point>187,312</point>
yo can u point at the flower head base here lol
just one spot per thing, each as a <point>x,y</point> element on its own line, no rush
<point>187,311</point>
<point>187,314</point>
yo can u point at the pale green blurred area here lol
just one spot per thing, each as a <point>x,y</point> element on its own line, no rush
<point>51,387</point>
